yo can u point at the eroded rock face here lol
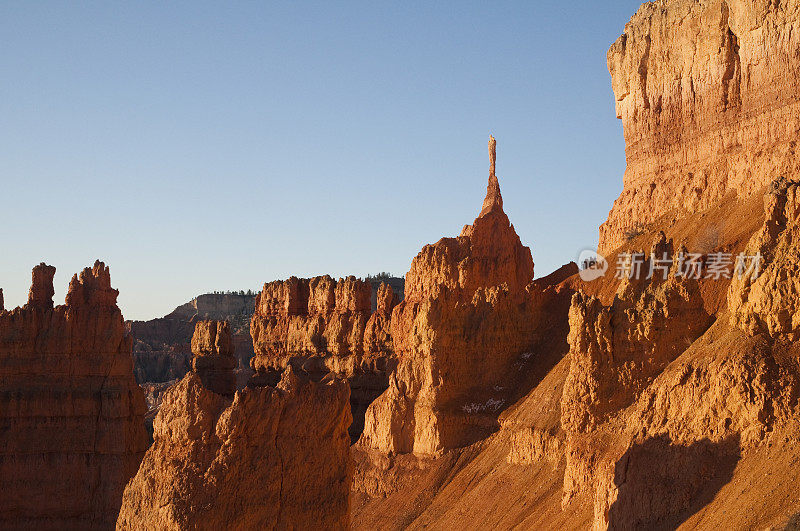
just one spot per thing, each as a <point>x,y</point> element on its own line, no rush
<point>465,320</point>
<point>658,406</point>
<point>663,458</point>
<point>707,93</point>
<point>318,322</point>
<point>321,325</point>
<point>271,458</point>
<point>214,358</point>
<point>765,298</point>
<point>73,417</point>
<point>616,351</point>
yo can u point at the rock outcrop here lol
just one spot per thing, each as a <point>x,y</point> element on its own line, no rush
<point>270,458</point>
<point>214,358</point>
<point>678,404</point>
<point>321,325</point>
<point>708,96</point>
<point>72,415</point>
<point>161,346</point>
<point>660,405</point>
<point>765,293</point>
<point>466,320</point>
<point>616,352</point>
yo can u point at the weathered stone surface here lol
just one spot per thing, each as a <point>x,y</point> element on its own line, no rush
<point>662,458</point>
<point>765,298</point>
<point>464,322</point>
<point>319,322</point>
<point>273,457</point>
<point>672,409</point>
<point>72,416</point>
<point>214,358</point>
<point>161,346</point>
<point>708,96</point>
<point>321,325</point>
<point>617,351</point>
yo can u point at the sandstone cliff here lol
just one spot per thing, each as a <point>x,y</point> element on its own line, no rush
<point>661,410</point>
<point>270,457</point>
<point>678,402</point>
<point>708,96</point>
<point>72,416</point>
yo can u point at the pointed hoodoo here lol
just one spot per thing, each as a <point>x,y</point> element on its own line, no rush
<point>493,199</point>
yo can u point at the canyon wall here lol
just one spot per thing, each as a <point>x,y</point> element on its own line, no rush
<point>709,96</point>
<point>72,415</point>
<point>266,457</point>
<point>663,401</point>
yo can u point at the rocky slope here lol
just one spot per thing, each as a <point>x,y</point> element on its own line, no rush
<point>71,413</point>
<point>672,407</point>
<point>267,457</point>
<point>708,93</point>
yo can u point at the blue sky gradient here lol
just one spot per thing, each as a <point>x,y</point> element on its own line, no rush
<point>197,147</point>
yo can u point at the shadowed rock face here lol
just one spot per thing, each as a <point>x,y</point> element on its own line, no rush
<point>73,417</point>
<point>214,358</point>
<point>321,325</point>
<point>707,94</point>
<point>271,458</point>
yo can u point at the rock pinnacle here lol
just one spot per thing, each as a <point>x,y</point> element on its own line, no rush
<point>493,198</point>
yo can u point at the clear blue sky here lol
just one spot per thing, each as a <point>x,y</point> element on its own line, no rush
<point>197,147</point>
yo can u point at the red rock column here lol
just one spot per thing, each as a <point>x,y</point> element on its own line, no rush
<point>214,359</point>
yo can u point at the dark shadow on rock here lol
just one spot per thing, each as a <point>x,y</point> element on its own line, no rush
<point>365,387</point>
<point>661,484</point>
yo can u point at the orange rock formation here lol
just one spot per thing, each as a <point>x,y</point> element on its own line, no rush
<point>677,403</point>
<point>467,318</point>
<point>707,94</point>
<point>213,356</point>
<point>319,325</point>
<point>270,457</point>
<point>73,417</point>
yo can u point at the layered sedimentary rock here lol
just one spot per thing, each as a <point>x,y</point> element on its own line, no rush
<point>466,320</point>
<point>72,415</point>
<point>709,96</point>
<point>659,408</point>
<point>270,458</point>
<point>321,325</point>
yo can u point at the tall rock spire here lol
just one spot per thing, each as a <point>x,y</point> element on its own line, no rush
<point>492,154</point>
<point>493,198</point>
